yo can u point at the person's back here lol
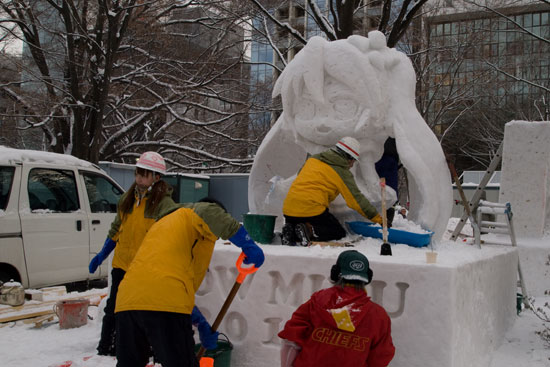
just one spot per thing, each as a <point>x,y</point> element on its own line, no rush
<point>388,167</point>
<point>177,250</point>
<point>323,177</point>
<point>346,342</point>
<point>156,301</point>
<point>339,326</point>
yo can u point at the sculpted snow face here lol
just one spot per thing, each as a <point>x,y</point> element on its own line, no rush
<point>361,88</point>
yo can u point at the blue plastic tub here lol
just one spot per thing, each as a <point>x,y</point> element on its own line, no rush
<point>394,235</point>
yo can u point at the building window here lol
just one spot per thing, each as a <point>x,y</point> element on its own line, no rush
<point>497,41</point>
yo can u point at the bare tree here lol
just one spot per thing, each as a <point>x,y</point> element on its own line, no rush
<point>73,47</point>
<point>344,18</point>
<point>183,90</point>
<point>108,80</point>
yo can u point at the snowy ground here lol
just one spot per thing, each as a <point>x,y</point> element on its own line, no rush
<point>22,345</point>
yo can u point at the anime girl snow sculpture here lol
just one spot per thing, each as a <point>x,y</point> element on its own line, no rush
<point>355,87</point>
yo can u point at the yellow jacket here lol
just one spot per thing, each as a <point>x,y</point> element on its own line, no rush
<point>129,231</point>
<point>173,259</point>
<point>319,182</point>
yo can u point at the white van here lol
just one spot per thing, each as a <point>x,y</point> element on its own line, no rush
<point>55,212</point>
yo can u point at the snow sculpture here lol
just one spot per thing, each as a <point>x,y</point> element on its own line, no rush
<point>526,154</point>
<point>361,88</point>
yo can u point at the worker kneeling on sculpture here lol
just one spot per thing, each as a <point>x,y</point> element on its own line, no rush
<point>322,178</point>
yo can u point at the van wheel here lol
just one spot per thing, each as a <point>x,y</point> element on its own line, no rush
<point>6,275</point>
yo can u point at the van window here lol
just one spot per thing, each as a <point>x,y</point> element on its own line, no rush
<point>52,190</point>
<point>6,179</point>
<point>102,194</point>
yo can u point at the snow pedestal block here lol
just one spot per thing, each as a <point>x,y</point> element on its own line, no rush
<point>453,313</point>
<point>525,181</point>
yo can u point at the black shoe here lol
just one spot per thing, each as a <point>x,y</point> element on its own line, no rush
<point>106,351</point>
<point>303,234</point>
<point>288,237</point>
<point>107,343</point>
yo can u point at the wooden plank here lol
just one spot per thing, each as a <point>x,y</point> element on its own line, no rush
<point>27,306</point>
<point>337,243</point>
<point>47,293</point>
<point>39,320</point>
<point>331,244</point>
<point>26,315</point>
<point>54,291</point>
<point>4,309</point>
<point>38,309</point>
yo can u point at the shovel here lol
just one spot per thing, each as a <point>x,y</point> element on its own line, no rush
<point>385,249</point>
<point>243,272</point>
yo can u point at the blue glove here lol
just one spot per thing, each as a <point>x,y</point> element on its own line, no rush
<point>209,338</point>
<point>108,247</point>
<point>254,254</point>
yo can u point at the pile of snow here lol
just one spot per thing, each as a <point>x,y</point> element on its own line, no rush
<point>403,224</point>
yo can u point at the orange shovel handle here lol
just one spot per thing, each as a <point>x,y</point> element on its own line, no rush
<point>243,272</point>
<point>206,362</point>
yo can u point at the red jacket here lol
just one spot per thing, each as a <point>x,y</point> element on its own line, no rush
<point>340,327</point>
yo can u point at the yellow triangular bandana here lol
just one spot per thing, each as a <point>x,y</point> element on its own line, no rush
<point>343,319</point>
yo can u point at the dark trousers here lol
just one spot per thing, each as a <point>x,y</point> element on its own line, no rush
<point>169,333</point>
<point>108,326</point>
<point>325,226</point>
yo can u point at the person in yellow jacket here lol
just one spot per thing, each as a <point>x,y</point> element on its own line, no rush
<point>137,210</point>
<point>156,298</point>
<point>322,178</point>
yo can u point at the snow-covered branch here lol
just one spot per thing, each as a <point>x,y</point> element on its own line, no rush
<point>284,25</point>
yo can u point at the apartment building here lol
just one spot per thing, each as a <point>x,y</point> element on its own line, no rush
<point>489,57</point>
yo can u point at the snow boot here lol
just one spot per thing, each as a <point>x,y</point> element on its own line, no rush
<point>390,213</point>
<point>303,232</point>
<point>107,346</point>
<point>288,237</point>
<point>104,350</point>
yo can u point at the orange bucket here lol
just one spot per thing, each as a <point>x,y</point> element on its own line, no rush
<point>73,313</point>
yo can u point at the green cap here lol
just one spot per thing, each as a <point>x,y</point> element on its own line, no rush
<point>354,266</point>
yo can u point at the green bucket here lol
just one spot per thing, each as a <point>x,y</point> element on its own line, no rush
<point>222,353</point>
<point>260,227</point>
